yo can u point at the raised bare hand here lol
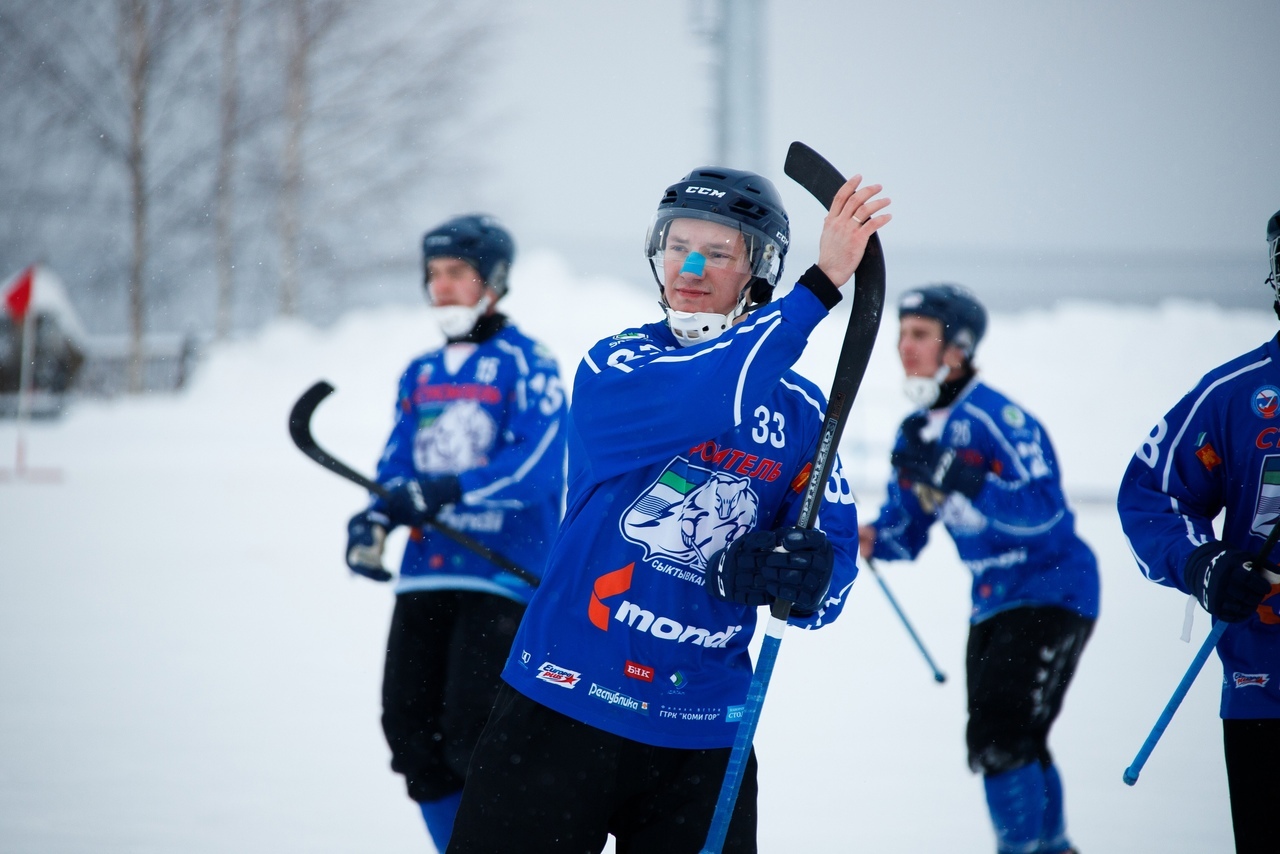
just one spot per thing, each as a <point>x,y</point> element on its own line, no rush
<point>853,218</point>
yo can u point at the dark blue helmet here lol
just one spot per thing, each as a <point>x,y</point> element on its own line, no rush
<point>1273,255</point>
<point>477,239</point>
<point>963,319</point>
<point>732,197</point>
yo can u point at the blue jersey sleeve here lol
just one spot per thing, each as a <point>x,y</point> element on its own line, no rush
<point>397,456</point>
<point>704,390</point>
<point>530,460</point>
<point>1022,496</point>
<point>1172,490</point>
<point>902,528</point>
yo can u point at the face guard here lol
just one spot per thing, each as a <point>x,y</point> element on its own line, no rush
<point>1274,279</point>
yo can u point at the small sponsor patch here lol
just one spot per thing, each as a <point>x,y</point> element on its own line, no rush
<point>733,713</point>
<point>1013,416</point>
<point>1208,457</point>
<point>1266,401</point>
<point>638,671</point>
<point>801,480</point>
<point>629,336</point>
<point>557,675</point>
<point>616,698</point>
<point>1245,680</point>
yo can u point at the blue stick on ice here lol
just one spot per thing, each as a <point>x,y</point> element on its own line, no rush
<point>746,734</point>
<point>1135,768</point>
<point>938,675</point>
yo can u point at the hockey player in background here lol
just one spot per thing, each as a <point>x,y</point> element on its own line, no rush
<point>985,467</point>
<point>689,447</point>
<point>478,445</point>
<point>1216,450</point>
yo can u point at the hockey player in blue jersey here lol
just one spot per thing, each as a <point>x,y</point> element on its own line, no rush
<point>1217,450</point>
<point>985,468</point>
<point>478,445</point>
<point>689,445</point>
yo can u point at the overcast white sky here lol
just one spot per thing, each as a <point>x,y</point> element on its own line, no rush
<point>998,124</point>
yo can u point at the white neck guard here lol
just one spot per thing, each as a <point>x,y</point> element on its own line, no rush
<point>455,321</point>
<point>694,327</point>
<point>923,391</point>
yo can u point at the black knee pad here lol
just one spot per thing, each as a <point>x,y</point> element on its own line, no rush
<point>997,754</point>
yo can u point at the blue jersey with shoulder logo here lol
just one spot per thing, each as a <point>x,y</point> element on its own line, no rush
<point>674,453</point>
<point>490,413</point>
<point>1217,449</point>
<point>1017,535</point>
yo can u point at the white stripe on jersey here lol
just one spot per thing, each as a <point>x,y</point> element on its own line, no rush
<point>1164,483</point>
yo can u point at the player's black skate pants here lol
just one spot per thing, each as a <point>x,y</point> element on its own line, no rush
<point>543,782</point>
<point>1253,756</point>
<point>1019,664</point>
<point>444,654</point>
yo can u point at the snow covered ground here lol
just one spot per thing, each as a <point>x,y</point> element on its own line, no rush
<point>187,665</point>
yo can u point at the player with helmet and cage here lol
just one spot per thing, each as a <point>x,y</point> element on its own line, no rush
<point>981,464</point>
<point>478,444</point>
<point>689,439</point>
<point>1215,451</point>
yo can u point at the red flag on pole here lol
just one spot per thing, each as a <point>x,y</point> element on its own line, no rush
<point>17,299</point>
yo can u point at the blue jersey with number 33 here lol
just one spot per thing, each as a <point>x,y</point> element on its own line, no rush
<point>673,453</point>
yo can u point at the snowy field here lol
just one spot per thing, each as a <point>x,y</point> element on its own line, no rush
<point>187,665</point>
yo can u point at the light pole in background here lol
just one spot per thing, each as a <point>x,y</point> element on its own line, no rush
<point>735,31</point>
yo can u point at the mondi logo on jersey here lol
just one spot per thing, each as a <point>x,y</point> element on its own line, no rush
<point>632,615</point>
<point>689,513</point>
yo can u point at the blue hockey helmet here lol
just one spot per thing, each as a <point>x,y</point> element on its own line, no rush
<point>477,239</point>
<point>736,198</point>
<point>963,319</point>
<point>1273,255</point>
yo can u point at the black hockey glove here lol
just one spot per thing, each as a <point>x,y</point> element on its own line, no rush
<point>366,533</point>
<point>944,469</point>
<point>416,501</point>
<point>794,564</point>
<point>1227,582</point>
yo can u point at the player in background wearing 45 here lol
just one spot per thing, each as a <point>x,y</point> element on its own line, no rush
<point>984,467</point>
<point>1215,450</point>
<point>689,447</point>
<point>478,444</point>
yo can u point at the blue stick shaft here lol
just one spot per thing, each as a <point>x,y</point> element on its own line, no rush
<point>938,675</point>
<point>746,734</point>
<point>1131,773</point>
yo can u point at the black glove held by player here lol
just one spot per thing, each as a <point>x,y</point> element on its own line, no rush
<point>1224,581</point>
<point>944,469</point>
<point>366,533</point>
<point>753,571</point>
<point>416,501</point>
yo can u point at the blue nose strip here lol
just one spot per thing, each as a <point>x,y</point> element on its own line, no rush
<point>694,264</point>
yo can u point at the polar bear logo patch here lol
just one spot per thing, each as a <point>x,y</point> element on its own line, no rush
<point>689,513</point>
